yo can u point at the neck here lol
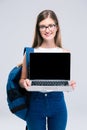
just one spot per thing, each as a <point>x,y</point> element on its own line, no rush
<point>48,45</point>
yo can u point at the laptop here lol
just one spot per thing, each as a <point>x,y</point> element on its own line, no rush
<point>50,72</point>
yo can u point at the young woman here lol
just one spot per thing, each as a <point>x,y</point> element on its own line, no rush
<point>46,107</point>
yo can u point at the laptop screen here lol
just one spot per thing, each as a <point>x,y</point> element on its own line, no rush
<point>49,66</point>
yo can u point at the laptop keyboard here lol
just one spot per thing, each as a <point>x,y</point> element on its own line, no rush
<point>50,83</point>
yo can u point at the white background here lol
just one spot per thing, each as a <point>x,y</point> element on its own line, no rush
<point>17,23</point>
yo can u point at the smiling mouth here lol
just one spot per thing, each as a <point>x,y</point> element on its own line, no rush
<point>48,34</point>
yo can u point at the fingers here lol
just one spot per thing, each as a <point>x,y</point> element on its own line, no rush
<point>27,84</point>
<point>72,84</point>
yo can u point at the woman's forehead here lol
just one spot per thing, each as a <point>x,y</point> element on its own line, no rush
<point>47,21</point>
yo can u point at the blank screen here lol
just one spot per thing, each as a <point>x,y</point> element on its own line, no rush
<point>50,66</point>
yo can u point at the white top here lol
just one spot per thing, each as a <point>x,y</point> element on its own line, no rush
<point>54,50</point>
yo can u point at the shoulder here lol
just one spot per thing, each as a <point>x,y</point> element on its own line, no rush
<point>65,50</point>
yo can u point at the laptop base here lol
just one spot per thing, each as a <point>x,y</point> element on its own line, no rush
<point>50,88</point>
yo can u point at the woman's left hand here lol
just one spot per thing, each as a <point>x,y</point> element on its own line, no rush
<point>72,83</point>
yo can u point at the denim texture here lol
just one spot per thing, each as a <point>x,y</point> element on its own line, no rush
<point>47,110</point>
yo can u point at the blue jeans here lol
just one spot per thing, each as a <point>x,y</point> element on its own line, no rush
<point>47,110</point>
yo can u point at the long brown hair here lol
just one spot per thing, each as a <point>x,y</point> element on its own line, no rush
<point>37,37</point>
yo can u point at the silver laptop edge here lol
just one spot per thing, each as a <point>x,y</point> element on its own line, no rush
<point>50,88</point>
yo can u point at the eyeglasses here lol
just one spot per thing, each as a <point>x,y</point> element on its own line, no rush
<point>51,27</point>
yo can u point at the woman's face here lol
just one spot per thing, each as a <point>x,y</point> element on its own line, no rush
<point>48,29</point>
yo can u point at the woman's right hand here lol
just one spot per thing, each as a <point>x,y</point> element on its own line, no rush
<point>25,83</point>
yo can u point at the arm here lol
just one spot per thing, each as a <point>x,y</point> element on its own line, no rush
<point>24,81</point>
<point>72,83</point>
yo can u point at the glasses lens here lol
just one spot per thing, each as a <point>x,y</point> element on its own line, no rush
<point>51,27</point>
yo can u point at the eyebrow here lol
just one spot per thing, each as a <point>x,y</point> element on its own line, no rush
<point>48,24</point>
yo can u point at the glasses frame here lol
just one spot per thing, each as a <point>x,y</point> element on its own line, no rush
<point>43,28</point>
